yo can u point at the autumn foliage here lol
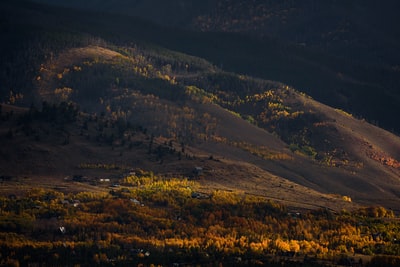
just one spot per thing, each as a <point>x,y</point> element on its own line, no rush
<point>153,220</point>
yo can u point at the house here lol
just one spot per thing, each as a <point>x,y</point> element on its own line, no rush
<point>76,203</point>
<point>135,201</point>
<point>79,178</point>
<point>62,229</point>
<point>197,171</point>
<point>200,195</point>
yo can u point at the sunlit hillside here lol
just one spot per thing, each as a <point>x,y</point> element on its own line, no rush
<point>342,53</point>
<point>119,146</point>
<point>188,101</point>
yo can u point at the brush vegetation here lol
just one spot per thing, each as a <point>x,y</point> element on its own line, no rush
<point>150,219</point>
<point>128,145</point>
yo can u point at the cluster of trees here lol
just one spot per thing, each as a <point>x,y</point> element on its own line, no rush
<point>28,47</point>
<point>36,123</point>
<point>270,105</point>
<point>150,219</point>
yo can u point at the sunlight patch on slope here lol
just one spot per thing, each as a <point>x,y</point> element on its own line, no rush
<point>69,61</point>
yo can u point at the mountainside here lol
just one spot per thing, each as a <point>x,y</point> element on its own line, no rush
<point>113,96</point>
<point>344,54</point>
<point>186,100</point>
<point>125,142</point>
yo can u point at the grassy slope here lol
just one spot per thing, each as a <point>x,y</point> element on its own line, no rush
<point>373,182</point>
<point>43,162</point>
<point>235,168</point>
<point>257,176</point>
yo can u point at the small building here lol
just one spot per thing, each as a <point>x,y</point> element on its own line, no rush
<point>200,195</point>
<point>135,201</point>
<point>65,202</point>
<point>197,171</point>
<point>76,203</point>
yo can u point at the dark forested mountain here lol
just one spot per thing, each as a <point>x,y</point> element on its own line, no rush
<point>345,54</point>
<point>362,30</point>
